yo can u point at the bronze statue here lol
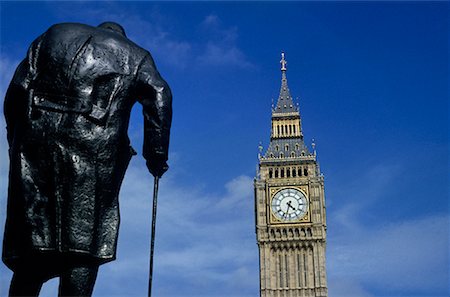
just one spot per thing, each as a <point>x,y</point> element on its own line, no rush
<point>67,111</point>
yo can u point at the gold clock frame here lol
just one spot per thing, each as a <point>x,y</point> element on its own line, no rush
<point>274,220</point>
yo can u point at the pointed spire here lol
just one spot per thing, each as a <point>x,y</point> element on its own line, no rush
<point>285,103</point>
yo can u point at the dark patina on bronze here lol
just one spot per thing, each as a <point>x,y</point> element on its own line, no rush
<point>67,111</point>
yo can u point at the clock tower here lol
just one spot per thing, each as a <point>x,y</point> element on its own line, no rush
<point>290,207</point>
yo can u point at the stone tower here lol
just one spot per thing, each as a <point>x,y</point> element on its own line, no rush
<point>290,207</point>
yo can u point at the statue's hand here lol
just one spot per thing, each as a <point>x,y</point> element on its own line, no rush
<point>157,167</point>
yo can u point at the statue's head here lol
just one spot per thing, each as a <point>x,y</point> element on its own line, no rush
<point>114,27</point>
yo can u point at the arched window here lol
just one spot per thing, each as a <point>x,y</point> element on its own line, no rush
<point>294,128</point>
<point>294,172</point>
<point>276,173</point>
<point>270,173</point>
<point>281,155</point>
<point>278,129</point>
<point>277,148</point>
<point>303,153</point>
<point>286,147</point>
<point>297,146</point>
<point>292,154</point>
<point>305,172</point>
<point>300,171</point>
<point>290,129</point>
<point>282,172</point>
<point>288,172</point>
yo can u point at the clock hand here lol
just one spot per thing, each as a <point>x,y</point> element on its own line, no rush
<point>290,206</point>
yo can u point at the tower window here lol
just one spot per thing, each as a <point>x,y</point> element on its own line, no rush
<point>299,172</point>
<point>305,172</point>
<point>299,271</point>
<point>305,270</point>
<point>288,172</point>
<point>286,147</point>
<point>294,172</point>
<point>286,265</point>
<point>297,147</point>
<point>281,155</point>
<point>281,270</point>
<point>292,154</point>
<point>278,129</point>
<point>294,128</point>
<point>276,173</point>
<point>277,148</point>
<point>270,173</point>
<point>282,172</point>
<point>290,129</point>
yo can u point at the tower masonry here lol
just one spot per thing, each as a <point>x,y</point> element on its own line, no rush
<point>290,207</point>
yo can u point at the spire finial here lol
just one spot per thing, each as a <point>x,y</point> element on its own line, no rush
<point>283,62</point>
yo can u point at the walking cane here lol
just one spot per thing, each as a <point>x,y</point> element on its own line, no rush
<point>152,242</point>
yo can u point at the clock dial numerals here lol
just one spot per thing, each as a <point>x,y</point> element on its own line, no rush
<point>289,205</point>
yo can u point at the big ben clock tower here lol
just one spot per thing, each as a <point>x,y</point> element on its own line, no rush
<point>290,208</point>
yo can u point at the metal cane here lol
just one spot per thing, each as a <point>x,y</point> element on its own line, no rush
<point>152,242</point>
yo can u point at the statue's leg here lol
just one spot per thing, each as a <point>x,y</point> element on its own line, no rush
<point>78,281</point>
<point>25,284</point>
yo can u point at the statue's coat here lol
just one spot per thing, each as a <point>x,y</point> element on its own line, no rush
<point>67,111</point>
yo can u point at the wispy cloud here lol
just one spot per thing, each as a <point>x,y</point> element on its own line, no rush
<point>204,240</point>
<point>221,48</point>
<point>7,67</point>
<point>393,255</point>
<point>215,43</point>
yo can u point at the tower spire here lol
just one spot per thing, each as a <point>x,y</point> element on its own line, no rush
<point>285,103</point>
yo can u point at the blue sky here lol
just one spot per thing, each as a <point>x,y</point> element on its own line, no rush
<point>372,83</point>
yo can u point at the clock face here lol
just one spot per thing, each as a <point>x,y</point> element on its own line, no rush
<point>289,205</point>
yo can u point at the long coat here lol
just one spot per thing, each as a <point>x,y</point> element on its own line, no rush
<point>67,111</point>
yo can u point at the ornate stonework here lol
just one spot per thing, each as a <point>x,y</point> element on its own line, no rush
<point>290,208</point>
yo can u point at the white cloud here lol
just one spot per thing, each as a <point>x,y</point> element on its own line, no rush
<point>203,239</point>
<point>394,256</point>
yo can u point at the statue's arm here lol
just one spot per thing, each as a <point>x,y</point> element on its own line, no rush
<point>156,98</point>
<point>15,104</point>
<point>16,99</point>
